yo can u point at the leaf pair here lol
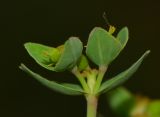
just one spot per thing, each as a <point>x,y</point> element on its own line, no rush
<point>56,59</point>
<point>103,48</point>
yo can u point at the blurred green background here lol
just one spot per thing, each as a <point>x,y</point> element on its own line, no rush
<point>51,22</point>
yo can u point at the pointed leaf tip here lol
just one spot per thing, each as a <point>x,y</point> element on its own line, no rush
<point>123,76</point>
<point>148,51</point>
<point>69,89</point>
<point>123,36</point>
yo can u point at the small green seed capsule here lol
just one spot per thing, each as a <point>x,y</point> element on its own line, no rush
<point>83,63</point>
<point>54,55</point>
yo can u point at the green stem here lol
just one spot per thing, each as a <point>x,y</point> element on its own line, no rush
<point>81,79</point>
<point>102,71</point>
<point>92,102</point>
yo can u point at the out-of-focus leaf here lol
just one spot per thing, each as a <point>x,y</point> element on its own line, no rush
<point>153,109</point>
<point>121,101</point>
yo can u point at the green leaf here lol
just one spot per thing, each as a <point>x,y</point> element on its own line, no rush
<point>102,47</point>
<point>122,77</point>
<point>123,36</point>
<point>72,52</point>
<point>58,61</point>
<point>39,53</point>
<point>69,89</point>
<point>74,86</point>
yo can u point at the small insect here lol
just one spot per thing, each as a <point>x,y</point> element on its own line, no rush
<point>111,27</point>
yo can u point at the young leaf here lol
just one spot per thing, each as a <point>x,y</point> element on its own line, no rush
<point>52,58</point>
<point>72,52</point>
<point>102,47</point>
<point>123,36</point>
<point>69,89</point>
<point>122,77</point>
<point>39,53</point>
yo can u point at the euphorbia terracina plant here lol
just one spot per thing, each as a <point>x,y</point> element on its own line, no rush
<point>102,48</point>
